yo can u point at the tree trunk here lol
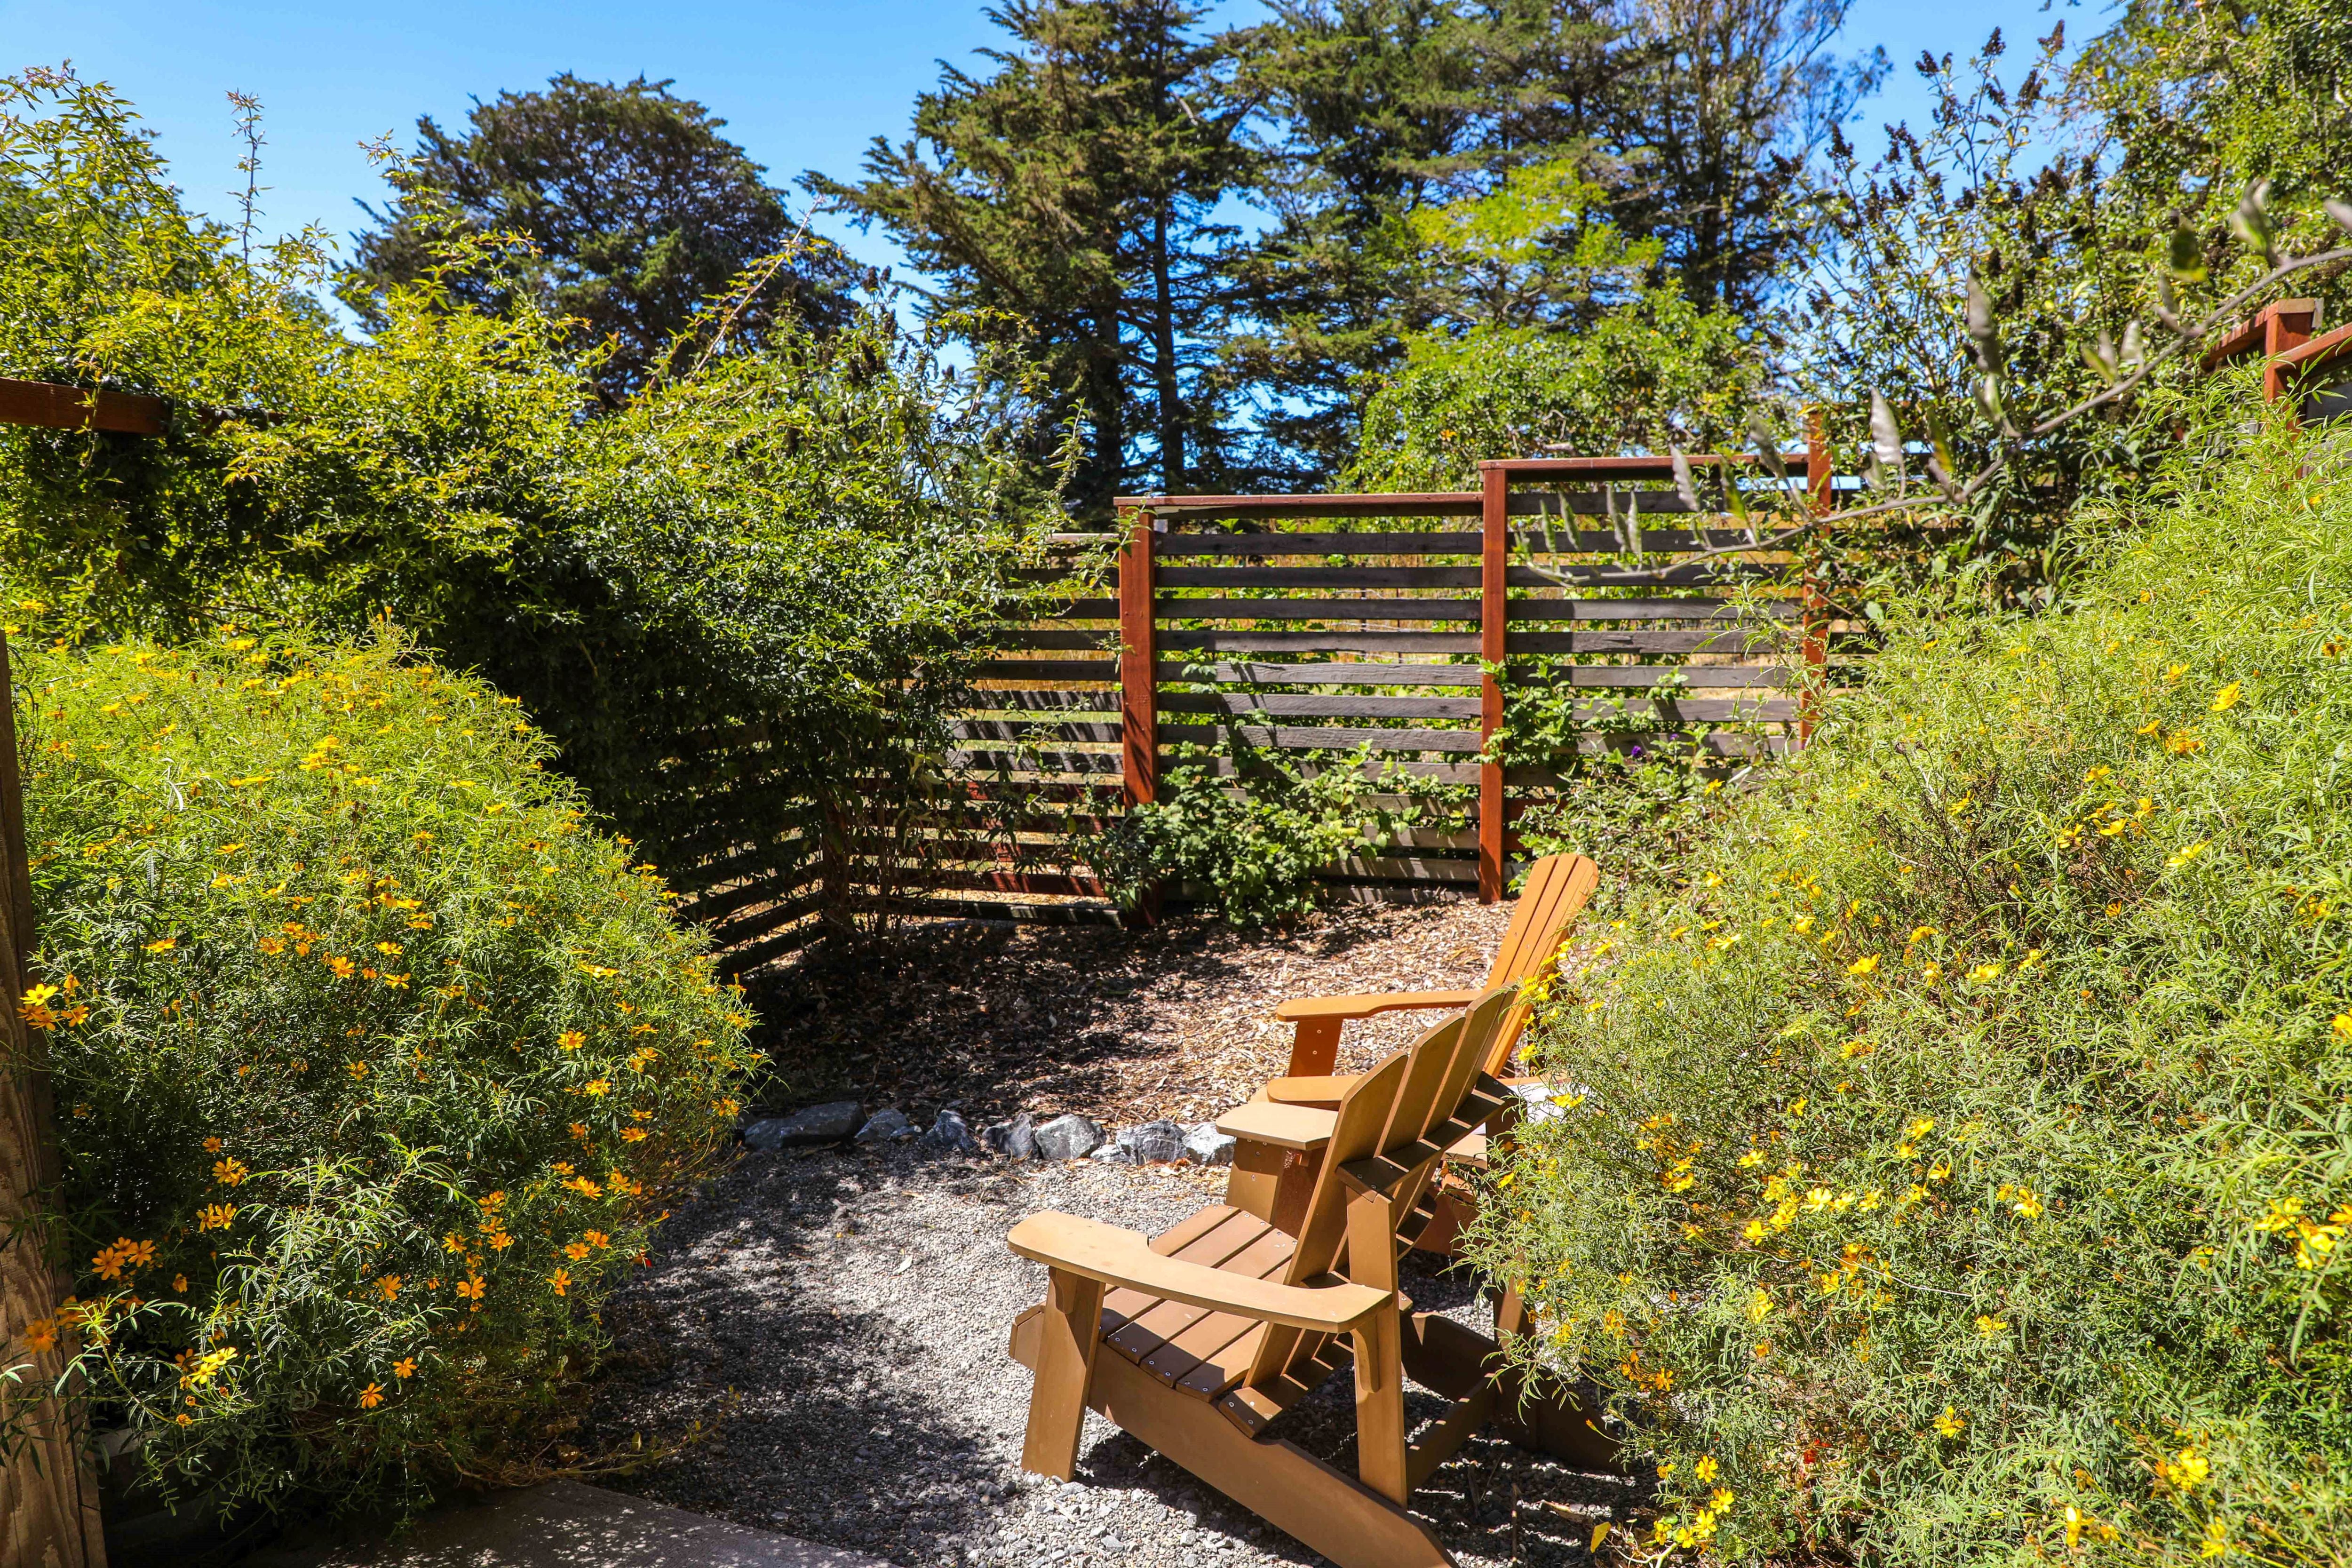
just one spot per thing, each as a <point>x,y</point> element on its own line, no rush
<point>1163,334</point>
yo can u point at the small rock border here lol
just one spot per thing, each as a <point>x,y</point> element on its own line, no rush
<point>839,1122</point>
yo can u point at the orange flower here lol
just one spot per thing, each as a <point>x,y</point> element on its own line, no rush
<point>180,1284</point>
<point>229,1173</point>
<point>389,1285</point>
<point>370,1396</point>
<point>471,1288</point>
<point>405,1367</point>
<point>212,1145</point>
<point>342,966</point>
<point>561,1279</point>
<point>598,1239</point>
<point>106,1265</point>
<point>40,1334</point>
<point>215,1216</point>
<point>633,1135</point>
<point>571,1039</point>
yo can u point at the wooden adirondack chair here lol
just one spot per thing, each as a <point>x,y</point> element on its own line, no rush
<point>1557,889</point>
<point>1217,1326</point>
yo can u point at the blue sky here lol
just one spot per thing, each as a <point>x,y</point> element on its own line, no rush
<point>803,85</point>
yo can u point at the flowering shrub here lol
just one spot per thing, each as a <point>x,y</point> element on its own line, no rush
<point>373,1064</point>
<point>1957,1167</point>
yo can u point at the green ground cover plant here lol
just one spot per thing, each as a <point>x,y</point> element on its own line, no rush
<point>374,1063</point>
<point>1957,1159</point>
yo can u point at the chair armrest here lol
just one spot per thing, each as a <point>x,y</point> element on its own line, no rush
<point>1125,1257</point>
<point>1299,1008</point>
<point>1323,1091</point>
<point>1301,1127</point>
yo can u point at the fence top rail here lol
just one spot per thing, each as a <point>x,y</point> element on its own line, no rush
<point>50,406</point>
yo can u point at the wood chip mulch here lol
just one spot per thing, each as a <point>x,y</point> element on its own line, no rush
<point>1124,1027</point>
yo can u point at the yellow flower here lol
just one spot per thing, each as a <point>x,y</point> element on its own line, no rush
<point>163,945</point>
<point>1987,1327</point>
<point>598,1087</point>
<point>1984,971</point>
<point>229,1173</point>
<point>2095,774</point>
<point>570,1039</point>
<point>2226,699</point>
<point>1864,966</point>
<point>2342,1026</point>
<point>215,1216</point>
<point>1759,1307</point>
<point>370,1396</point>
<point>1920,1127</point>
<point>1705,1468</point>
<point>2185,1470</point>
<point>2181,857</point>
<point>2217,1539</point>
<point>1951,1422</point>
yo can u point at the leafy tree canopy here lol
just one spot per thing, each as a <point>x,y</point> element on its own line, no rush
<point>638,211</point>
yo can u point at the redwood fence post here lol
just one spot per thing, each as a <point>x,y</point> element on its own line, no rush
<point>2286,324</point>
<point>1493,559</point>
<point>49,1498</point>
<point>1818,500</point>
<point>1138,677</point>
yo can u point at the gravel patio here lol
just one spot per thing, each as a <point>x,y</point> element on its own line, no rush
<point>819,1345</point>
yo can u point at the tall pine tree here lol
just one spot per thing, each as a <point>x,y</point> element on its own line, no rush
<point>1064,201</point>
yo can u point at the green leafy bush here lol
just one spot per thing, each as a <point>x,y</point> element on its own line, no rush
<point>1957,1163</point>
<point>373,1064</point>
<point>1253,853</point>
<point>807,537</point>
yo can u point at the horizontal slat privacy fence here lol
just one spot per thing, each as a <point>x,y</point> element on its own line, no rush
<point>751,866</point>
<point>1308,627</point>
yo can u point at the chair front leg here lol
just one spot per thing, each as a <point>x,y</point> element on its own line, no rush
<point>1380,1460</point>
<point>1070,1329</point>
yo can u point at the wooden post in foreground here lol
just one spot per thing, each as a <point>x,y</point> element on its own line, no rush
<point>49,1498</point>
<point>1494,610</point>
<point>1819,500</point>
<point>1139,679</point>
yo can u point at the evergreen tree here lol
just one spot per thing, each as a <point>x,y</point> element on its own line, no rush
<point>638,211</point>
<point>1065,202</point>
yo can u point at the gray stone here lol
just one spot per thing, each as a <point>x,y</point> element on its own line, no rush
<point>948,1132</point>
<point>1155,1143</point>
<point>811,1125</point>
<point>1015,1139</point>
<point>886,1125</point>
<point>1113,1154</point>
<point>1068,1138</point>
<point>1204,1146</point>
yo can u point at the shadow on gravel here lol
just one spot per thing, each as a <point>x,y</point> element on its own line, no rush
<point>789,1408</point>
<point>984,1015</point>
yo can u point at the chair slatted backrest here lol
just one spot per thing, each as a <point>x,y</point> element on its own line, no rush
<point>1558,888</point>
<point>1482,1025</point>
<point>1387,1108</point>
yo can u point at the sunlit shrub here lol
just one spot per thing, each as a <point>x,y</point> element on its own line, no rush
<point>373,1064</point>
<point>1956,1166</point>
